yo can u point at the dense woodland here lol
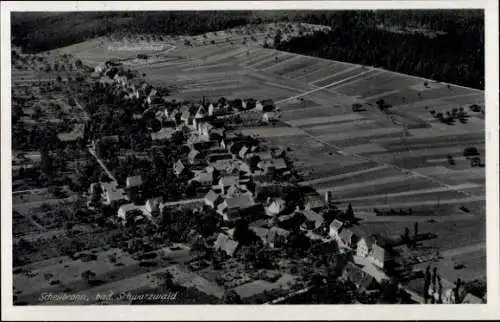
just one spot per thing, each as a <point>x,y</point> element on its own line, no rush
<point>455,54</point>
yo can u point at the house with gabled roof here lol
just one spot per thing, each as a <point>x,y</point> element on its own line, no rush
<point>230,208</point>
<point>313,220</point>
<point>273,164</point>
<point>225,244</point>
<point>274,206</point>
<point>348,238</point>
<point>365,246</point>
<point>152,206</point>
<point>277,237</point>
<point>179,167</point>
<point>213,199</point>
<point>204,178</point>
<point>228,181</point>
<point>378,256</point>
<point>134,181</point>
<point>126,210</point>
<point>335,227</point>
<point>360,278</point>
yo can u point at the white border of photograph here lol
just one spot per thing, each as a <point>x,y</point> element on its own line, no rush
<point>260,312</point>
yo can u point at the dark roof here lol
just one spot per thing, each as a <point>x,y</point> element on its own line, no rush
<point>358,276</point>
<point>346,235</point>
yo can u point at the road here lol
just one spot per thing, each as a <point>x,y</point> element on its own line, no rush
<point>464,250</point>
<point>103,166</point>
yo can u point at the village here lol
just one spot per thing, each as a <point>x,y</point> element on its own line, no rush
<point>228,200</point>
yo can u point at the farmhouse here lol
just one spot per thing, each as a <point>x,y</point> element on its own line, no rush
<point>152,206</point>
<point>364,246</point>
<point>163,134</point>
<point>270,165</point>
<point>360,278</point>
<point>179,168</point>
<point>134,181</point>
<point>277,237</point>
<point>204,178</point>
<point>225,244</point>
<point>378,256</point>
<point>347,238</point>
<point>213,199</point>
<point>313,220</point>
<point>335,228</point>
<point>111,193</point>
<point>127,210</point>
<point>228,181</point>
<point>230,209</point>
<point>274,206</point>
<point>314,201</point>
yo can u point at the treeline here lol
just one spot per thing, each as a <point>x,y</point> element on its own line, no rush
<point>44,31</point>
<point>456,56</point>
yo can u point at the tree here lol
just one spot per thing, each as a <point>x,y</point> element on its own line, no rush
<point>277,38</point>
<point>88,276</point>
<point>349,213</point>
<point>231,297</point>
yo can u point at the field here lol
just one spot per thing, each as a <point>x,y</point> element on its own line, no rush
<point>373,159</point>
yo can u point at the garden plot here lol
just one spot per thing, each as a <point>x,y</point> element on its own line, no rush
<point>186,278</point>
<point>70,271</point>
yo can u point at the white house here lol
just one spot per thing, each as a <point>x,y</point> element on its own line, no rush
<point>364,247</point>
<point>335,228</point>
<point>128,209</point>
<point>275,206</point>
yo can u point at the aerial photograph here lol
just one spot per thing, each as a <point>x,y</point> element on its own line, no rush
<point>248,157</point>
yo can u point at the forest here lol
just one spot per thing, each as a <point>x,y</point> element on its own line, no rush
<point>446,47</point>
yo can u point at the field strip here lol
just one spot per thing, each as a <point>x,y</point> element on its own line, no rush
<point>464,250</point>
<point>411,219</point>
<point>331,128</point>
<point>426,79</point>
<point>338,73</point>
<point>207,66</point>
<point>395,91</point>
<point>376,182</point>
<point>269,132</point>
<point>413,192</point>
<point>420,203</point>
<point>281,62</point>
<point>321,88</point>
<point>341,176</point>
<point>365,148</point>
<point>323,120</point>
<point>357,134</point>
<point>375,73</point>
